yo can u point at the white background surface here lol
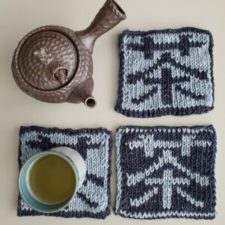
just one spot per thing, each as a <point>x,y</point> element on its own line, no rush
<point>17,17</point>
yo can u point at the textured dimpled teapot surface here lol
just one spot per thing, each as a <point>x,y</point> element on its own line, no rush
<point>50,62</point>
<point>48,59</point>
<point>54,63</point>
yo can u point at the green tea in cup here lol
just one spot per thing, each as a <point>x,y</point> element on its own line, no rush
<point>52,180</point>
<point>49,180</point>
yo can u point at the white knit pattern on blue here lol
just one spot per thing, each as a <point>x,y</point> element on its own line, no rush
<point>93,198</point>
<point>165,72</point>
<point>166,172</point>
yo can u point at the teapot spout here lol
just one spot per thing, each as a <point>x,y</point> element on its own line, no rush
<point>83,94</point>
<point>108,17</point>
<point>90,101</point>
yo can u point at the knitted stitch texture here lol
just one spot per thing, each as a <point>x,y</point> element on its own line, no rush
<point>166,172</point>
<point>93,198</point>
<point>165,72</point>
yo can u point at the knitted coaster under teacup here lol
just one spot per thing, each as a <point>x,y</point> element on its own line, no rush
<point>165,72</point>
<point>95,146</point>
<point>166,172</point>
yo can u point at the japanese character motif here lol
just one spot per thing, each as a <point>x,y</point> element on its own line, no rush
<point>166,172</point>
<point>165,72</point>
<point>92,198</point>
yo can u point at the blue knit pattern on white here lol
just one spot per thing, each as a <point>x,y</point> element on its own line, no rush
<point>165,172</point>
<point>95,145</point>
<point>165,72</point>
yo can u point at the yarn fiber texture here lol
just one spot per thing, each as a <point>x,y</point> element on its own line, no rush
<point>95,146</point>
<point>165,72</point>
<point>166,172</point>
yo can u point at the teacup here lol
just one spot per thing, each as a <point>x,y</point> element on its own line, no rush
<point>49,180</point>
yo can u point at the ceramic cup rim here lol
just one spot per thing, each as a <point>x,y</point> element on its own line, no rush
<point>34,159</point>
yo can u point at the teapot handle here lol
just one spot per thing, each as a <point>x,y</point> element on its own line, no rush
<point>108,17</point>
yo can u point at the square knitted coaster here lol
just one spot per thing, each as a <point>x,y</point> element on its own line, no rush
<point>165,72</point>
<point>95,145</point>
<point>166,172</point>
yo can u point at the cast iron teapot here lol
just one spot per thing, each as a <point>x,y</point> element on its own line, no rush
<point>54,64</point>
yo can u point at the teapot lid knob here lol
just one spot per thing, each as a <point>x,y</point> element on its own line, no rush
<point>61,74</point>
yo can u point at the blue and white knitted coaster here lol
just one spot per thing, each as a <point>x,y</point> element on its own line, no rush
<point>166,172</point>
<point>165,72</point>
<point>95,145</point>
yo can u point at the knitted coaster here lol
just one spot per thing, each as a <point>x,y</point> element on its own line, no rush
<point>166,172</point>
<point>93,198</point>
<point>165,72</point>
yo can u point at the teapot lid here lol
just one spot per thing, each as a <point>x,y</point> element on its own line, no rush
<point>47,60</point>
